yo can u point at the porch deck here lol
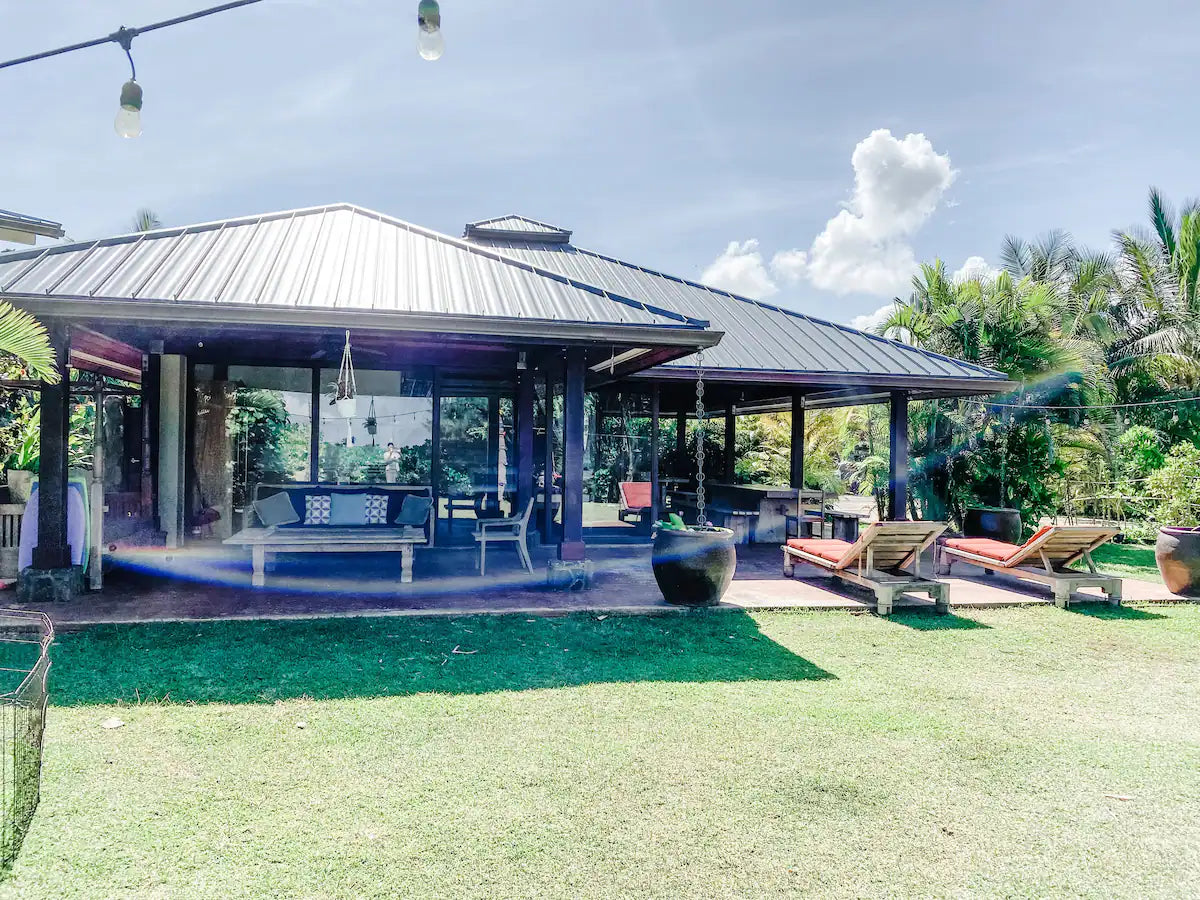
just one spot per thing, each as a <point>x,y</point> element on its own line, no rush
<point>211,582</point>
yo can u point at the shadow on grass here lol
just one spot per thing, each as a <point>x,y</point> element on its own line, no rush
<point>1102,610</point>
<point>263,661</point>
<point>931,621</point>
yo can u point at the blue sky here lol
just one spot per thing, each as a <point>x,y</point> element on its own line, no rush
<point>809,153</point>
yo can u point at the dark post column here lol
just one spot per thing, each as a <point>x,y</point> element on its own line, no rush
<point>493,443</point>
<point>681,445</point>
<point>548,468</point>
<point>572,548</point>
<point>654,489</point>
<point>797,480</point>
<point>730,441</point>
<point>898,480</point>
<point>52,550</point>
<point>525,405</point>
<point>314,436</point>
<point>435,462</point>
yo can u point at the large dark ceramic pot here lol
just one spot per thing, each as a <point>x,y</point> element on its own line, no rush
<point>992,522</point>
<point>1177,553</point>
<point>694,567</point>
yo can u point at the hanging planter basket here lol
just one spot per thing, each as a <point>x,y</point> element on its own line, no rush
<point>345,398</point>
<point>372,423</point>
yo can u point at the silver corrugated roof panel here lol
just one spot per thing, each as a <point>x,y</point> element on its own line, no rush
<point>338,256</point>
<point>759,337</point>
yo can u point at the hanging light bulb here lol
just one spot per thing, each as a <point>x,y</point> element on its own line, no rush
<point>1175,417</point>
<point>128,123</point>
<point>430,43</point>
<point>1126,419</point>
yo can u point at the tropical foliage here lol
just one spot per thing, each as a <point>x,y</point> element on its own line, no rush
<point>1083,334</point>
<point>23,339</point>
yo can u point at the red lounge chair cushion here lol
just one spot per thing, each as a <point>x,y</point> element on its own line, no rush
<point>636,493</point>
<point>997,550</point>
<point>832,550</point>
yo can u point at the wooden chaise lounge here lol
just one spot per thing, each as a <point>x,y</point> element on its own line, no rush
<point>1044,557</point>
<point>876,561</point>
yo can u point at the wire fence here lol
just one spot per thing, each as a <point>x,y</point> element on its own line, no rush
<point>24,665</point>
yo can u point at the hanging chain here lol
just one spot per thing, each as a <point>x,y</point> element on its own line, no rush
<point>700,518</point>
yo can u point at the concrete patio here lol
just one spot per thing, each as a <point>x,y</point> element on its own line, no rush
<point>209,583</point>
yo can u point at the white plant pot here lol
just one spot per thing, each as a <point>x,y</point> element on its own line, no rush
<point>20,485</point>
<point>346,407</point>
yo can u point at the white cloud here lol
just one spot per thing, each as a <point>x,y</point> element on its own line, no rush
<point>975,268</point>
<point>872,320</point>
<point>898,184</point>
<point>740,270</point>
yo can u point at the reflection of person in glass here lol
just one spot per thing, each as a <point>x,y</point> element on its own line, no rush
<point>391,463</point>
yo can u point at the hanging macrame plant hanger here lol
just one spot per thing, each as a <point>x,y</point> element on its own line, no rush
<point>372,423</point>
<point>346,396</point>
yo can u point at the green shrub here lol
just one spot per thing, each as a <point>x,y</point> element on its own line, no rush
<point>1176,487</point>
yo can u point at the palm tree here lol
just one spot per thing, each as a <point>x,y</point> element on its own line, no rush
<point>24,337</point>
<point>146,220</point>
<point>1158,319</point>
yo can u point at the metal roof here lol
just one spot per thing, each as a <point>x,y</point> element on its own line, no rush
<point>516,228</point>
<point>763,341</point>
<point>338,257</point>
<point>18,227</point>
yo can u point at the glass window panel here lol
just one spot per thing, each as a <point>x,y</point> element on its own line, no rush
<point>389,437</point>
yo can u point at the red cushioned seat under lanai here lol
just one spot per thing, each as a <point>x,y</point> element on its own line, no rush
<point>832,550</point>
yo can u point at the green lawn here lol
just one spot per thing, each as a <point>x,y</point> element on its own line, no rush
<point>1127,560</point>
<point>1018,752</point>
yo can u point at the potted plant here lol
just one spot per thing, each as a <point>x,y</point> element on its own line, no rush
<point>345,397</point>
<point>693,565</point>
<point>23,464</point>
<point>1177,552</point>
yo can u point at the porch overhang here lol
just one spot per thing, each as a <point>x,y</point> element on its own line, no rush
<point>629,347</point>
<point>825,390</point>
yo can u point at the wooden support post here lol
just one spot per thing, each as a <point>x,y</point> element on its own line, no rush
<point>681,445</point>
<point>572,547</point>
<point>655,492</point>
<point>525,412</point>
<point>151,422</point>
<point>435,462</point>
<point>52,550</point>
<point>493,443</point>
<point>314,435</point>
<point>898,443</point>
<point>548,457</point>
<point>797,473</point>
<point>730,449</point>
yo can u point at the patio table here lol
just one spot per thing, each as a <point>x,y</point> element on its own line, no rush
<point>328,539</point>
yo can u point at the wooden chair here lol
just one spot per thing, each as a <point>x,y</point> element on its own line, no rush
<point>635,500</point>
<point>1053,546</point>
<point>876,561</point>
<point>511,530</point>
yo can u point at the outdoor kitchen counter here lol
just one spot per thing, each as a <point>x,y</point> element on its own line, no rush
<point>770,505</point>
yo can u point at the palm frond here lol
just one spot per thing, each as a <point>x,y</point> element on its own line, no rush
<point>24,337</point>
<point>1162,217</point>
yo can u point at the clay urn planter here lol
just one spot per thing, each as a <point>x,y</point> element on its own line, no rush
<point>1177,553</point>
<point>993,522</point>
<point>694,566</point>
